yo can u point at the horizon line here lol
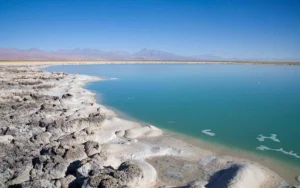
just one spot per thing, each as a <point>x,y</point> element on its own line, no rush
<point>162,61</point>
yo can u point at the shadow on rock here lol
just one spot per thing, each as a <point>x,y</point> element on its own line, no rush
<point>222,178</point>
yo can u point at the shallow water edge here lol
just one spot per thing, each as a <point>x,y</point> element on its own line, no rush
<point>285,170</point>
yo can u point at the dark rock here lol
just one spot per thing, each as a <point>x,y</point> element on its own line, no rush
<point>66,96</point>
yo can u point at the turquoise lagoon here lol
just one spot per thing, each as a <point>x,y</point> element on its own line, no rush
<point>237,102</point>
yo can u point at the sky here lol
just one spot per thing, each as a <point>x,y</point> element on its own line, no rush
<point>226,28</point>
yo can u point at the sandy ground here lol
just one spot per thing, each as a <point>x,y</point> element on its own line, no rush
<point>73,141</point>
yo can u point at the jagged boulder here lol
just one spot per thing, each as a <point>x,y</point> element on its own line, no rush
<point>75,152</point>
<point>127,174</point>
<point>42,138</point>
<point>41,183</point>
<point>92,148</point>
<point>66,181</point>
<point>22,175</point>
<point>6,174</point>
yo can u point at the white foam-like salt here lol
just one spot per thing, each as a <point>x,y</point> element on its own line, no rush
<point>108,78</point>
<point>273,137</point>
<point>263,148</point>
<point>291,153</point>
<point>208,132</point>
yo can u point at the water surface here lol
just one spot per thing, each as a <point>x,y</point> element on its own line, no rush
<point>237,102</point>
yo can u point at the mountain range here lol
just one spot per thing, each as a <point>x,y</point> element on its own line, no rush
<point>89,54</point>
<point>95,54</point>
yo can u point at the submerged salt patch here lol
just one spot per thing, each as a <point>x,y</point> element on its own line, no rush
<point>273,137</point>
<point>291,153</point>
<point>208,132</point>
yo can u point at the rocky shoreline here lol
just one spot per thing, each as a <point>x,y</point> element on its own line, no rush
<point>54,134</point>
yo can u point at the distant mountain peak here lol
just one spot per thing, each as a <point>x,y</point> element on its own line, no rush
<point>89,53</point>
<point>96,54</point>
<point>153,54</point>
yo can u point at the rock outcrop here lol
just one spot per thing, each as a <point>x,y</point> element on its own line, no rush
<point>51,134</point>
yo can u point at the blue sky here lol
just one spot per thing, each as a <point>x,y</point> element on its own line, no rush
<point>227,28</point>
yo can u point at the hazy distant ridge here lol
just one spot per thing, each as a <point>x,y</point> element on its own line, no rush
<point>95,54</point>
<point>92,54</point>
